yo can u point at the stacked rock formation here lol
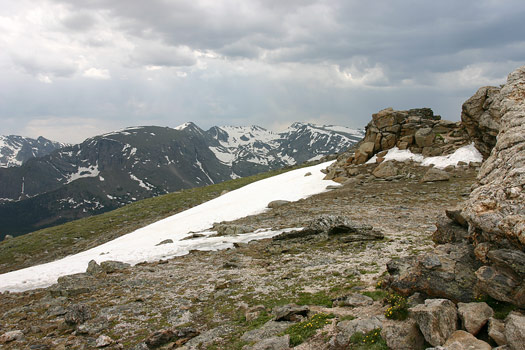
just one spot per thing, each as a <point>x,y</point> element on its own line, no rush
<point>482,244</point>
<point>418,130</point>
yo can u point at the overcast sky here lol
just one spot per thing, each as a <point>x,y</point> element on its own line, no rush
<point>71,69</point>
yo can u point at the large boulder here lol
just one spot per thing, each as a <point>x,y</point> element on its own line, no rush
<point>461,340</point>
<point>437,320</point>
<point>481,117</point>
<point>515,330</point>
<point>474,316</point>
<point>402,335</point>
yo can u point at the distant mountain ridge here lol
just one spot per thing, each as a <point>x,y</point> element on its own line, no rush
<point>15,150</point>
<point>108,171</point>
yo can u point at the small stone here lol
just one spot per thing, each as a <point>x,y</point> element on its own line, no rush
<point>77,314</point>
<point>103,341</point>
<point>434,174</point>
<point>277,203</point>
<point>111,266</point>
<point>166,241</point>
<point>11,336</point>
<point>354,300</point>
<point>273,343</point>
<point>308,174</point>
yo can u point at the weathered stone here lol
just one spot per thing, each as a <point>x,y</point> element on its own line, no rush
<point>77,314</point>
<point>72,285</point>
<point>111,266</point>
<point>290,312</point>
<point>388,141</point>
<point>509,259</point>
<point>253,312</point>
<point>456,216</point>
<point>448,232</point>
<point>437,319</point>
<point>497,331</point>
<point>8,337</point>
<point>345,329</point>
<point>402,335</point>
<point>93,268</point>
<point>273,343</point>
<point>474,316</point>
<point>424,137</point>
<point>497,283</point>
<point>386,169</point>
<point>268,330</point>
<point>481,116</point>
<point>232,229</point>
<point>495,209</point>
<point>161,337</point>
<point>277,203</point>
<point>434,174</point>
<point>515,330</point>
<point>103,341</point>
<point>447,272</point>
<point>166,241</point>
<point>354,300</point>
<point>461,340</point>
<point>364,152</point>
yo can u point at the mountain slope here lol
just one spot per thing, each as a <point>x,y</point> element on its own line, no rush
<point>16,150</point>
<point>114,169</point>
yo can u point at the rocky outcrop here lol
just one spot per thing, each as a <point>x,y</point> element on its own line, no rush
<point>494,213</point>
<point>437,319</point>
<point>418,130</point>
<point>481,116</point>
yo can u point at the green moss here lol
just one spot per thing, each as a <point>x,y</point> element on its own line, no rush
<point>376,294</point>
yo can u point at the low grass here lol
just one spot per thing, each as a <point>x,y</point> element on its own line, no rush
<point>59,241</point>
<point>302,331</point>
<point>369,341</point>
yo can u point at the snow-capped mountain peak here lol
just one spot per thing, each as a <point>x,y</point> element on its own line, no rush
<point>16,150</point>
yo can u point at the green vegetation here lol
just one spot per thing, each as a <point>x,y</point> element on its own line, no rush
<point>369,341</point>
<point>300,332</point>
<point>399,307</point>
<point>59,241</point>
<point>376,294</point>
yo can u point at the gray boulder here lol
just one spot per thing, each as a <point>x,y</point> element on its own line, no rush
<point>437,320</point>
<point>278,203</point>
<point>72,285</point>
<point>402,335</point>
<point>273,343</point>
<point>434,174</point>
<point>77,314</point>
<point>111,266</point>
<point>345,329</point>
<point>268,330</point>
<point>461,340</point>
<point>290,312</point>
<point>354,300</point>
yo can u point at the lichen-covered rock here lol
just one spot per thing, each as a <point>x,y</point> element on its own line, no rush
<point>273,343</point>
<point>434,174</point>
<point>354,300</point>
<point>495,209</point>
<point>402,335</point>
<point>437,320</point>
<point>481,117</point>
<point>345,329</point>
<point>497,331</point>
<point>461,340</point>
<point>77,314</point>
<point>474,316</point>
<point>515,330</point>
<point>111,266</point>
<point>11,336</point>
<point>290,312</point>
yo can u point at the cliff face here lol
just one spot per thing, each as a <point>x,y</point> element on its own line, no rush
<point>496,208</point>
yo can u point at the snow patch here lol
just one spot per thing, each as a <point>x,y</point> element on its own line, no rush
<point>141,183</point>
<point>465,154</point>
<point>141,245</point>
<point>82,172</point>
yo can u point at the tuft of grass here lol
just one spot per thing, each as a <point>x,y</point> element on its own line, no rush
<point>369,341</point>
<point>302,331</point>
<point>73,237</point>
<point>319,298</point>
<point>376,294</point>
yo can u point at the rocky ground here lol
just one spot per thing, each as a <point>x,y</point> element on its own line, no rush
<point>224,299</point>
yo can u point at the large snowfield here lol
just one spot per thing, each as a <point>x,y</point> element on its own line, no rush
<point>142,244</point>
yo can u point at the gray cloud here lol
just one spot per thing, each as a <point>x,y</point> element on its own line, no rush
<point>262,62</point>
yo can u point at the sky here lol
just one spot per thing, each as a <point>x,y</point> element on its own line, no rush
<point>72,69</point>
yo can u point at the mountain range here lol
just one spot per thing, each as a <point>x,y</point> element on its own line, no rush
<point>16,150</point>
<point>108,171</point>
